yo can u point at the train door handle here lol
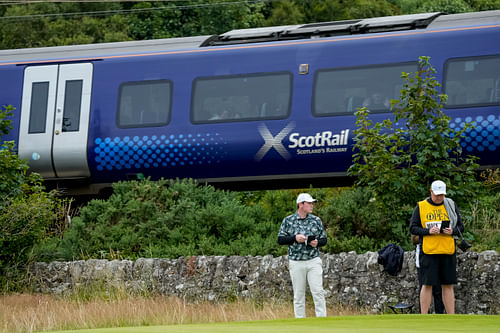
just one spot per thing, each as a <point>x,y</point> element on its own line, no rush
<point>58,121</point>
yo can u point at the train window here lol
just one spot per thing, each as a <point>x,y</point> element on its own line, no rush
<point>72,106</point>
<point>472,82</point>
<point>144,103</point>
<point>38,107</point>
<point>342,91</point>
<point>241,98</point>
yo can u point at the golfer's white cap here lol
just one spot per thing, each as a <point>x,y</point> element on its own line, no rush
<point>438,187</point>
<point>305,197</point>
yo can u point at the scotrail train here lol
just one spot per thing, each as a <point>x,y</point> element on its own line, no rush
<point>254,106</point>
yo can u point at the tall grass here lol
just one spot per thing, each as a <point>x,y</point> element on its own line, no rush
<point>21,313</point>
<point>484,222</point>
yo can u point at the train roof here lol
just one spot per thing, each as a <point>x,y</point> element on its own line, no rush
<point>326,29</point>
<point>466,19</point>
<point>434,20</point>
<point>101,49</point>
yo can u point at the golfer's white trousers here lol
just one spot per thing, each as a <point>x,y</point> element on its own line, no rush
<point>311,271</point>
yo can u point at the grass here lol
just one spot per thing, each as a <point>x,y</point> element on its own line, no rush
<point>485,222</point>
<point>344,324</point>
<point>26,313</point>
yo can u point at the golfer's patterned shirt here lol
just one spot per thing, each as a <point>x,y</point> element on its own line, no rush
<point>293,225</point>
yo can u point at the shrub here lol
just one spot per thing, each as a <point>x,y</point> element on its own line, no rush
<point>180,218</point>
<point>359,244</point>
<point>354,222</point>
<point>167,219</point>
<point>482,222</point>
<point>26,211</point>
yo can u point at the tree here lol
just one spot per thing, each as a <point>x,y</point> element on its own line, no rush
<point>26,211</point>
<point>478,5</point>
<point>13,171</point>
<point>26,25</point>
<point>285,12</point>
<point>398,159</point>
<point>231,16</point>
<point>310,11</point>
<point>446,6</point>
<point>51,24</point>
<point>368,8</point>
<point>426,6</point>
<point>192,19</point>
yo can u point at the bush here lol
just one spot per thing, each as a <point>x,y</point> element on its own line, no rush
<point>482,222</point>
<point>354,222</point>
<point>180,218</point>
<point>167,219</point>
<point>26,211</point>
<point>359,244</point>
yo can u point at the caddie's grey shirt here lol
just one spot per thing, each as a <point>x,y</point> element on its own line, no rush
<point>310,225</point>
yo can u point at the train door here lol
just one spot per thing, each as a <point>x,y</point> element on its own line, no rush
<point>55,118</point>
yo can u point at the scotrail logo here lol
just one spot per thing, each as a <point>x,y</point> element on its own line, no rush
<point>322,139</point>
<point>319,143</point>
<point>275,142</point>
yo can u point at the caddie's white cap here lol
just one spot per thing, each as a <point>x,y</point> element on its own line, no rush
<point>305,197</point>
<point>438,187</point>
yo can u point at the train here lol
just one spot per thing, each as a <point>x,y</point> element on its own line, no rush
<point>250,108</point>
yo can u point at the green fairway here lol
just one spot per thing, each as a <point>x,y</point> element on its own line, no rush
<point>349,324</point>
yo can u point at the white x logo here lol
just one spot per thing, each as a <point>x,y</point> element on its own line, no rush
<point>273,142</point>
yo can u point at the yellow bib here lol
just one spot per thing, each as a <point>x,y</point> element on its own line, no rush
<point>440,243</point>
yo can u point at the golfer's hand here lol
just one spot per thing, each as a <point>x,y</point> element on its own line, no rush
<point>300,238</point>
<point>434,231</point>
<point>448,231</point>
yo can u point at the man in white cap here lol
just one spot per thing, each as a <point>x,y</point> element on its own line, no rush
<point>304,234</point>
<point>436,220</point>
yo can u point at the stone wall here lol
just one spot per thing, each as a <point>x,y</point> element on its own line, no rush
<point>349,278</point>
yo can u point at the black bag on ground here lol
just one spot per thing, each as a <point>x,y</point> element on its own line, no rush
<point>391,257</point>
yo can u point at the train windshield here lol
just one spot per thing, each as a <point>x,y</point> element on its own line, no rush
<point>342,91</point>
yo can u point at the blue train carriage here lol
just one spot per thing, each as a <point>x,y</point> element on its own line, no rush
<point>247,109</point>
